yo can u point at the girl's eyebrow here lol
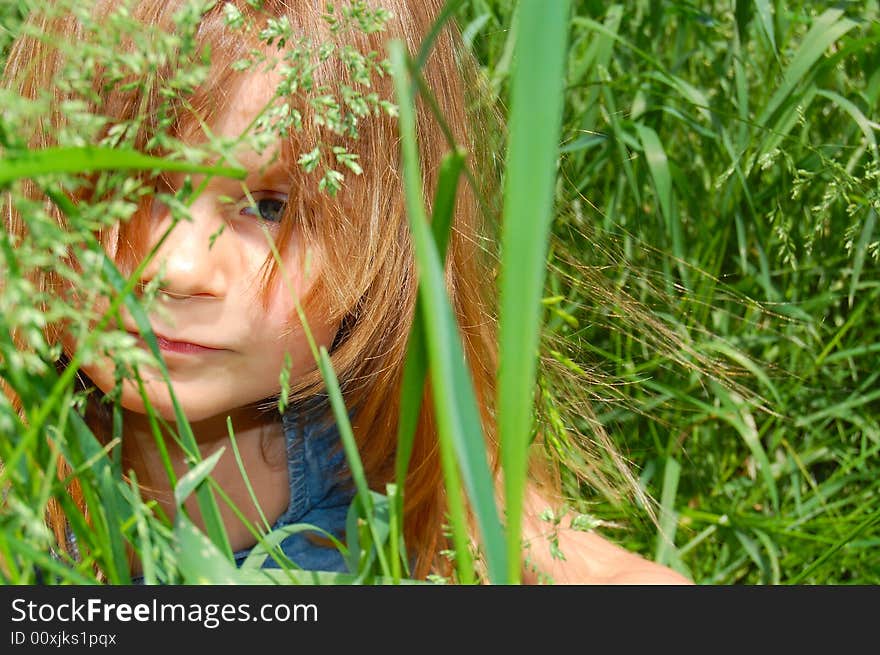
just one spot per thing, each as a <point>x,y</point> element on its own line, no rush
<point>274,168</point>
<point>253,160</point>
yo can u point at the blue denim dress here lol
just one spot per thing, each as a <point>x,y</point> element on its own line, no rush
<point>320,493</point>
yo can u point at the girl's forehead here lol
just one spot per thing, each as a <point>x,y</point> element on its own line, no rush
<point>247,95</point>
<point>240,104</point>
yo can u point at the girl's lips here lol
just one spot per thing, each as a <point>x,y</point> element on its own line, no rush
<point>167,345</point>
<point>182,347</point>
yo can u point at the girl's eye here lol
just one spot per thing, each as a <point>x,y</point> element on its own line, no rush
<point>268,208</point>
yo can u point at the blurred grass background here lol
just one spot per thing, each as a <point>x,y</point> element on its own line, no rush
<point>714,274</point>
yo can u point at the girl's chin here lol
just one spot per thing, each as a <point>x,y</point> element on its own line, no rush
<point>160,406</point>
<point>196,410</point>
<point>160,403</point>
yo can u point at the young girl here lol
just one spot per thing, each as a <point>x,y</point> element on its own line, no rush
<point>225,315</point>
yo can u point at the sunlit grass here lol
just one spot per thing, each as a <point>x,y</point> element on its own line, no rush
<point>717,256</point>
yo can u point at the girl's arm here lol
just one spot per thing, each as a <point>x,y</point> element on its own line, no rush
<point>589,558</point>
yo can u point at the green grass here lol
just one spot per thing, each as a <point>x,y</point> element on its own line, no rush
<point>717,257</point>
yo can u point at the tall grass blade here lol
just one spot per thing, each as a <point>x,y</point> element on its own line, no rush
<point>535,124</point>
<point>861,250</point>
<point>668,516</point>
<point>415,368</point>
<point>190,481</point>
<point>739,416</point>
<point>114,510</point>
<point>18,165</point>
<point>458,419</point>
<point>416,365</point>
<point>346,434</point>
<point>765,20</point>
<point>597,59</point>
<point>866,125</point>
<point>244,475</point>
<point>261,551</point>
<point>201,561</point>
<point>446,13</point>
<point>658,165</point>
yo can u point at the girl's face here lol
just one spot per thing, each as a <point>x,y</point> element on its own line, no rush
<point>223,347</point>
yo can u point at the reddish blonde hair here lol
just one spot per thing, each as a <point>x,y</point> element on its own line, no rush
<point>369,281</point>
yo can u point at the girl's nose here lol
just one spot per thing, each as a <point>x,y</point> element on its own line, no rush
<point>190,265</point>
